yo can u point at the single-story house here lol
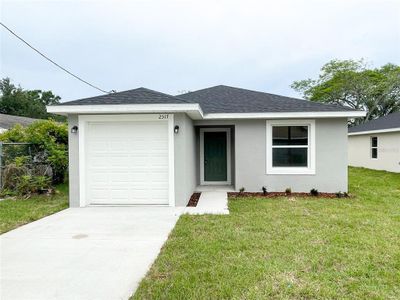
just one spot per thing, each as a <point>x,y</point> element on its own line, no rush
<point>9,121</point>
<point>145,147</point>
<point>376,144</point>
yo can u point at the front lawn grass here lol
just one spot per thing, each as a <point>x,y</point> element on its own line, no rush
<point>309,248</point>
<point>17,212</point>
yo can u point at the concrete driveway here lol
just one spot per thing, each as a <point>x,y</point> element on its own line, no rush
<point>83,253</point>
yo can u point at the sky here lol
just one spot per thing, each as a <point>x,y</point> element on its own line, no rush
<point>174,46</point>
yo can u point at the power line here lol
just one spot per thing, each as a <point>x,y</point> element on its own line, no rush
<point>53,62</point>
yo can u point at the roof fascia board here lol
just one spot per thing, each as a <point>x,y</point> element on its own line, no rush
<point>375,131</point>
<point>126,108</point>
<point>286,115</point>
<point>195,110</point>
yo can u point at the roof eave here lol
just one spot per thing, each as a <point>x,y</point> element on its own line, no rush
<point>375,131</point>
<point>192,109</point>
<point>286,115</point>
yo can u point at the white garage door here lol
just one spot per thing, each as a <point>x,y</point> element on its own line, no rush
<point>127,162</point>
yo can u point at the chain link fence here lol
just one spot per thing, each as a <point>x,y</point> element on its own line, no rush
<point>24,156</point>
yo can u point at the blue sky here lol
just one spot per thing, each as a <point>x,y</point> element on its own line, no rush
<point>171,46</point>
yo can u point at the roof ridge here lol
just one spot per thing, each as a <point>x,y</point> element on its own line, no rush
<point>116,94</point>
<point>242,89</point>
<point>161,93</point>
<point>19,117</point>
<point>265,93</point>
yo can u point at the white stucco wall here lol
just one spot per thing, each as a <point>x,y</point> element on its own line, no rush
<point>388,151</point>
<point>73,155</point>
<point>185,159</point>
<point>250,157</point>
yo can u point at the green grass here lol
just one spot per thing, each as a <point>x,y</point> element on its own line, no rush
<point>287,249</point>
<point>14,213</point>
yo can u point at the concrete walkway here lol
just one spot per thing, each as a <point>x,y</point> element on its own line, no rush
<point>83,253</point>
<point>210,202</point>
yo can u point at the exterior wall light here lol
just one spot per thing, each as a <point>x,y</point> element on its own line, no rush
<point>176,129</point>
<point>74,129</point>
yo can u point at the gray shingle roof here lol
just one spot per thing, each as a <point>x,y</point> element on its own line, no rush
<point>225,99</point>
<point>136,96</point>
<point>217,99</point>
<point>387,122</point>
<point>8,121</point>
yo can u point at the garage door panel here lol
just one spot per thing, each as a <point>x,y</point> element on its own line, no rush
<point>96,162</point>
<point>99,178</point>
<point>160,177</point>
<point>158,162</point>
<point>119,178</point>
<point>159,194</point>
<point>120,194</point>
<point>99,193</point>
<point>127,162</point>
<point>119,162</point>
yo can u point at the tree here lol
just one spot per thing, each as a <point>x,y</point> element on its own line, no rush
<point>27,103</point>
<point>351,83</point>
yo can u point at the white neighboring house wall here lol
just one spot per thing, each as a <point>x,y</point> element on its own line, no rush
<point>388,159</point>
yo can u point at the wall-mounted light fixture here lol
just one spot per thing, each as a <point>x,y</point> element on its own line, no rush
<point>176,129</point>
<point>74,129</point>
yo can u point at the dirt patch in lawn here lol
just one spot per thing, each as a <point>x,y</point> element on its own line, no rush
<point>283,194</point>
<point>194,199</point>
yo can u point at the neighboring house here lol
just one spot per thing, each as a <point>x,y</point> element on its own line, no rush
<point>145,147</point>
<point>8,121</point>
<point>376,144</point>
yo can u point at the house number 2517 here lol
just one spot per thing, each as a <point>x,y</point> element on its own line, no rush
<point>162,117</point>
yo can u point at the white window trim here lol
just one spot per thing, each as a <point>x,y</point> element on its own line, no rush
<point>371,147</point>
<point>310,169</point>
<point>83,121</point>
<point>228,156</point>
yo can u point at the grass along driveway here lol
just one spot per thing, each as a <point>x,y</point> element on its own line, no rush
<point>282,248</point>
<point>14,213</point>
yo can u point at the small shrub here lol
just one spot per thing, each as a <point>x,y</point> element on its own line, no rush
<point>288,191</point>
<point>21,160</point>
<point>12,174</point>
<point>29,184</point>
<point>264,190</point>
<point>314,192</point>
<point>241,190</point>
<point>7,193</point>
<point>341,194</point>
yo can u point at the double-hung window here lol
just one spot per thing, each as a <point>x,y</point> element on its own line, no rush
<point>374,147</point>
<point>290,147</point>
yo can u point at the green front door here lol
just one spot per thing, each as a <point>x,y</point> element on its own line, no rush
<point>215,156</point>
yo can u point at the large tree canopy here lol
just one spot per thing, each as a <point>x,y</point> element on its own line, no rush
<point>27,103</point>
<point>352,83</point>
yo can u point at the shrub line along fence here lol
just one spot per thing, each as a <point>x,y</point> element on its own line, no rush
<point>33,158</point>
<point>2,144</point>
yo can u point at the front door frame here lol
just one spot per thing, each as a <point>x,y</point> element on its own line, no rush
<point>228,156</point>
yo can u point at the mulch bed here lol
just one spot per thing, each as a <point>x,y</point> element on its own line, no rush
<point>282,194</point>
<point>194,199</point>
